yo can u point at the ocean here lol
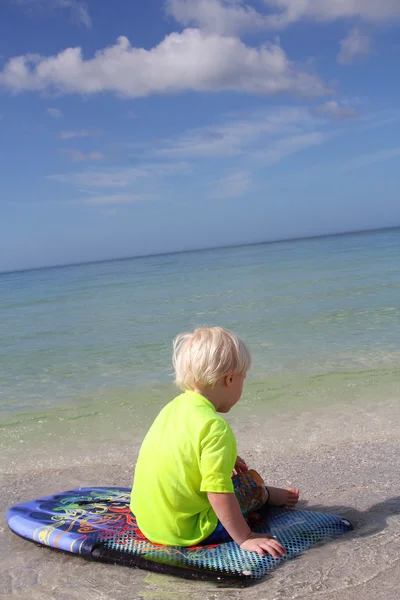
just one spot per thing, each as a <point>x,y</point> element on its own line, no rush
<point>85,365</point>
<point>321,317</point>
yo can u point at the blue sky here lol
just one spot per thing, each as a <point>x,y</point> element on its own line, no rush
<point>143,126</point>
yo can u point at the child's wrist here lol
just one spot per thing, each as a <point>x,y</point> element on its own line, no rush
<point>248,536</point>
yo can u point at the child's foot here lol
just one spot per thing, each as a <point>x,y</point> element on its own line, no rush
<point>283,497</point>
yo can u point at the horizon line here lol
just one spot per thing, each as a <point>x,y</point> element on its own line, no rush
<point>203,249</point>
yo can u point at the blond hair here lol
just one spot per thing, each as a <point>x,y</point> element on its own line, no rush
<point>202,357</point>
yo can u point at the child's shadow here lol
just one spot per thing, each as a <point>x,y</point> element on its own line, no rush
<point>365,523</point>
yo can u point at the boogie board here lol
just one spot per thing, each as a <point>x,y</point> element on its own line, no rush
<point>97,524</point>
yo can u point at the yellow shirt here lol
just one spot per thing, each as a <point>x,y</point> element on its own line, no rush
<point>189,450</point>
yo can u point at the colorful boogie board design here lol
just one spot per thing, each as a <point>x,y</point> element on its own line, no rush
<point>97,524</point>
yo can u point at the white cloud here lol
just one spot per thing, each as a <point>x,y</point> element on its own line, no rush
<point>77,156</point>
<point>69,135</point>
<point>235,16</point>
<point>333,110</point>
<point>232,185</point>
<point>54,112</point>
<point>78,9</point>
<point>191,60</point>
<point>354,47</point>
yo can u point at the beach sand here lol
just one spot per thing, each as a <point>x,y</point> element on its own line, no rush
<point>344,458</point>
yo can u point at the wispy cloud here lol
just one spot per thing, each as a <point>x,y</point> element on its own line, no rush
<point>78,9</point>
<point>333,110</point>
<point>69,135</point>
<point>239,136</point>
<point>77,156</point>
<point>371,158</point>
<point>109,178</point>
<point>232,185</point>
<point>114,199</point>
<point>382,119</point>
<point>181,62</point>
<point>261,138</point>
<point>239,16</point>
<point>54,112</point>
<point>115,178</point>
<point>355,46</point>
<point>228,17</point>
<point>251,141</point>
<point>290,145</point>
<point>113,186</point>
<point>290,11</point>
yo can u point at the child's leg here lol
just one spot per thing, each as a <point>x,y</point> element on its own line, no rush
<point>252,493</point>
<point>287,497</point>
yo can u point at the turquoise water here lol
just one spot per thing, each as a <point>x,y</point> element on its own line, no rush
<point>321,318</point>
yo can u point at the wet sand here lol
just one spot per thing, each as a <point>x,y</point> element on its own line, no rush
<point>344,458</point>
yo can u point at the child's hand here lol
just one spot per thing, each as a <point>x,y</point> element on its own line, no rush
<point>240,466</point>
<point>261,543</point>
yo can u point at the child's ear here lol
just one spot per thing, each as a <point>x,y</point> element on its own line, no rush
<point>228,379</point>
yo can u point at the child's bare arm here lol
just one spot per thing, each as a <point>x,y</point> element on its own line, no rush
<point>227,509</point>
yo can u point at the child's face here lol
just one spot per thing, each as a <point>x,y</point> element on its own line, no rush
<point>233,384</point>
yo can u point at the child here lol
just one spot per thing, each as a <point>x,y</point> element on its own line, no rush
<point>183,493</point>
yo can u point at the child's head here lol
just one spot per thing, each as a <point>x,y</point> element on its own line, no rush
<point>208,357</point>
